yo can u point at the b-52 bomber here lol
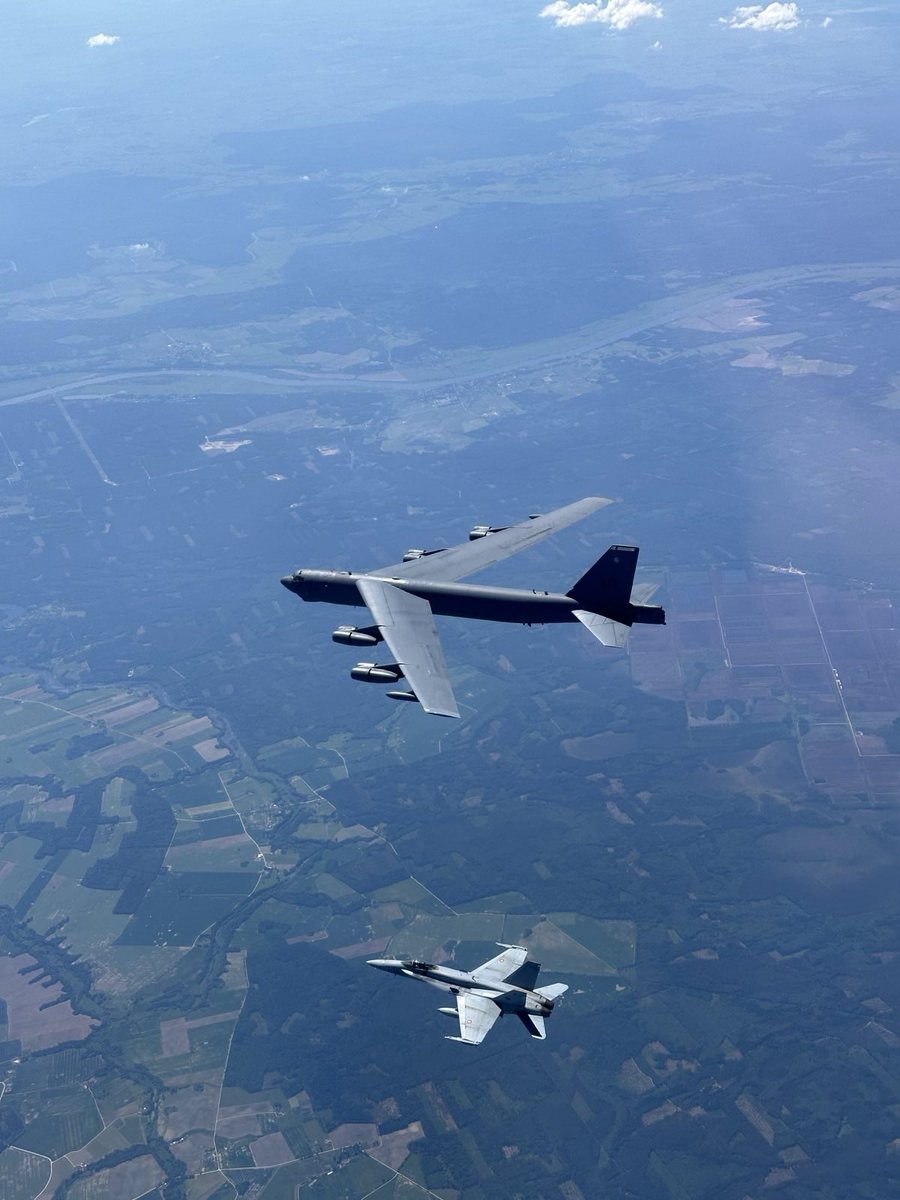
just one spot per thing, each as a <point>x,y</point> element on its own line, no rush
<point>404,598</point>
<point>505,984</point>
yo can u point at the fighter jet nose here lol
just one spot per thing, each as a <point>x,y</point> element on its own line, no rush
<point>288,582</point>
<point>383,964</point>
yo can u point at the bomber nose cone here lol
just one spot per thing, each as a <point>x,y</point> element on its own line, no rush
<point>288,581</point>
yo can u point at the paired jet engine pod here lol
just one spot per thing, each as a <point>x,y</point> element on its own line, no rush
<point>413,555</point>
<point>480,531</point>
<point>449,1012</point>
<point>367,672</point>
<point>349,635</point>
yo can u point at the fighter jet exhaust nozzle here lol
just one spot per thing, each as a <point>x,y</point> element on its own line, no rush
<point>349,635</point>
<point>367,672</point>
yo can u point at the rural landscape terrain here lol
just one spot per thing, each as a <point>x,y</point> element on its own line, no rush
<point>302,288</point>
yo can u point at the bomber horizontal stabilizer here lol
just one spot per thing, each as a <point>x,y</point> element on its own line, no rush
<point>604,629</point>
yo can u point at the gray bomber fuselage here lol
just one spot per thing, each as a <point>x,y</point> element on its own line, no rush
<point>507,996</point>
<point>513,605</point>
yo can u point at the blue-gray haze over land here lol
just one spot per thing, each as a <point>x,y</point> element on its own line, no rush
<point>285,284</point>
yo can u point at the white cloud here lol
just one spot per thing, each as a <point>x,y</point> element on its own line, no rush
<point>103,39</point>
<point>826,22</point>
<point>618,14</point>
<point>775,16</point>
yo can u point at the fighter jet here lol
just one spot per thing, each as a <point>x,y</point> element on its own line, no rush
<point>505,984</point>
<point>404,598</point>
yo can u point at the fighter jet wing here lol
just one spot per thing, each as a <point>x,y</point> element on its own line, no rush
<point>501,969</point>
<point>477,1015</point>
<point>469,557</point>
<point>406,623</point>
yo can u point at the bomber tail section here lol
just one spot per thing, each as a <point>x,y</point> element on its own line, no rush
<point>606,590</point>
<point>609,581</point>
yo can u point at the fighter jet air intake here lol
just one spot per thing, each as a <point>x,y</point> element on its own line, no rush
<point>505,984</point>
<point>404,598</point>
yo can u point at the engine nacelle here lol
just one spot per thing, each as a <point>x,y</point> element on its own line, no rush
<point>367,672</point>
<point>480,531</point>
<point>411,696</point>
<point>412,555</point>
<point>349,635</point>
<point>449,1012</point>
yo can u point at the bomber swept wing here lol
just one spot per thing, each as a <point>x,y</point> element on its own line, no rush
<point>459,561</point>
<point>406,623</point>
